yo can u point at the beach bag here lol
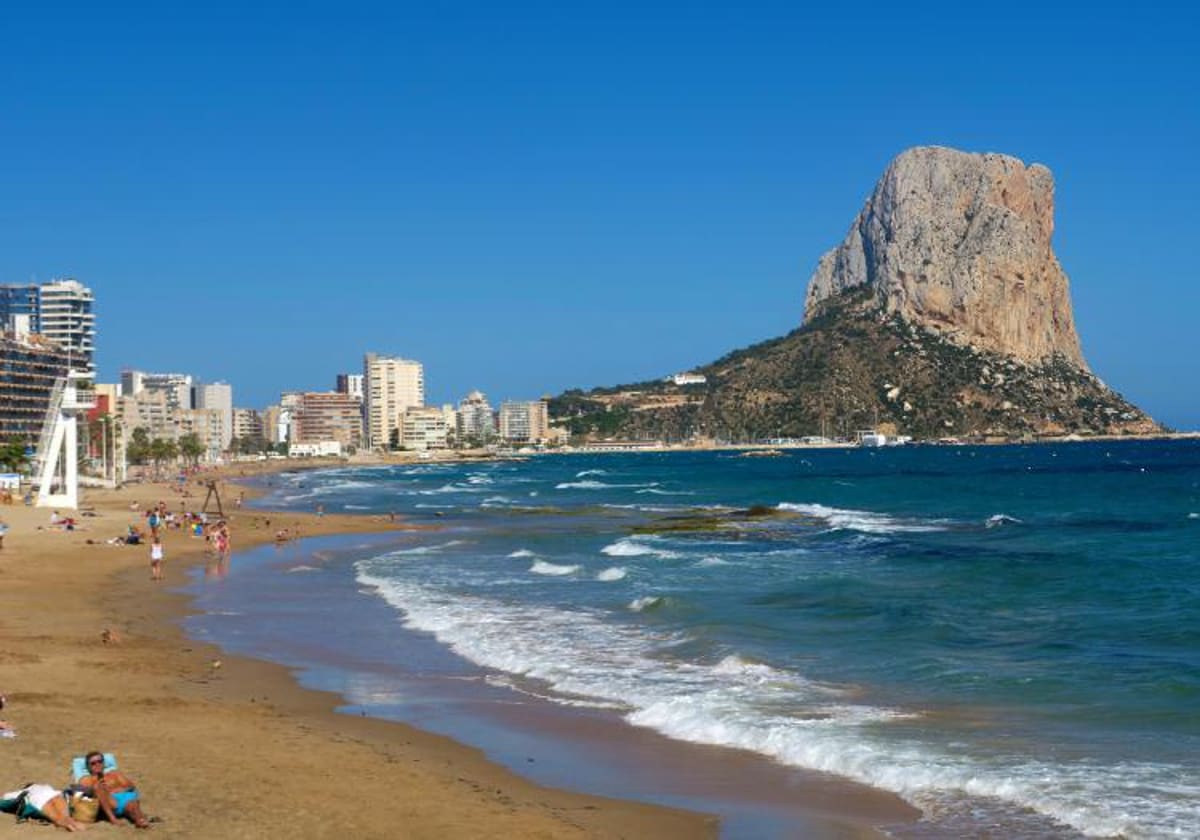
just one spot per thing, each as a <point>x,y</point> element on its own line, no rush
<point>85,808</point>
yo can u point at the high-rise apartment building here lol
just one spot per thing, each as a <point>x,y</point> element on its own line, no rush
<point>390,385</point>
<point>216,396</point>
<point>525,422</point>
<point>29,367</point>
<point>61,311</point>
<point>350,383</point>
<point>322,417</point>
<point>476,421</point>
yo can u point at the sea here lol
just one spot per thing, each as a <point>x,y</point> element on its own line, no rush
<point>1005,637</point>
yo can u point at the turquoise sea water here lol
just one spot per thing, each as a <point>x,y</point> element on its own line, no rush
<point>1006,637</point>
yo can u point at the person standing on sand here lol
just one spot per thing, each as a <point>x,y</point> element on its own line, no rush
<point>3,531</point>
<point>156,558</point>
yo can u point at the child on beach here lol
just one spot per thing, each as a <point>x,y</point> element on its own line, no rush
<point>156,558</point>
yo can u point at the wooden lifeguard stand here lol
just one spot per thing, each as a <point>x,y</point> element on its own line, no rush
<point>213,493</point>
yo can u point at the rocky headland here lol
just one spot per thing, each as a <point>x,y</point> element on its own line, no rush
<point>943,312</point>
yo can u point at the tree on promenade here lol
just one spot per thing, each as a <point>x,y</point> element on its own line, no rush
<point>162,450</point>
<point>12,456</point>
<point>191,448</point>
<point>138,450</point>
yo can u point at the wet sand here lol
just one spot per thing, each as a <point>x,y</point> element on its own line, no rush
<point>225,746</point>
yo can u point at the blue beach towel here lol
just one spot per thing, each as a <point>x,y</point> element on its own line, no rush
<point>79,766</point>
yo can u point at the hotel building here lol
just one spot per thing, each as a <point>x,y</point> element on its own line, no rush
<point>391,385</point>
<point>60,310</point>
<point>525,422</point>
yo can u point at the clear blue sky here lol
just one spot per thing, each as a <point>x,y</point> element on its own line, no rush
<point>530,197</point>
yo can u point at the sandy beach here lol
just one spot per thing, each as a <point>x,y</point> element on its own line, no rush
<point>229,747</point>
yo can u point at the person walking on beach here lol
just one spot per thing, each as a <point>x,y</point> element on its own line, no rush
<point>3,531</point>
<point>156,558</point>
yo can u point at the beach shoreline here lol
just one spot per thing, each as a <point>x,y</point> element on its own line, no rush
<point>182,715</point>
<point>227,746</point>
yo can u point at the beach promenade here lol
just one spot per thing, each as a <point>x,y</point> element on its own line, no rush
<point>92,657</point>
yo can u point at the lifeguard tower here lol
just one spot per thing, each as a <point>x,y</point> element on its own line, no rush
<point>57,460</point>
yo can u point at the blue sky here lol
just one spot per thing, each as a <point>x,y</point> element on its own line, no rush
<point>531,197</point>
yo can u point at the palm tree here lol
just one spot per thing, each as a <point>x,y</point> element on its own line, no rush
<point>12,456</point>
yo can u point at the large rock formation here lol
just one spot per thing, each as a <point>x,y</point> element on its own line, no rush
<point>960,243</point>
<point>943,313</point>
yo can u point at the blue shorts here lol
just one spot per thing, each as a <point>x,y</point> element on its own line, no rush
<point>120,800</point>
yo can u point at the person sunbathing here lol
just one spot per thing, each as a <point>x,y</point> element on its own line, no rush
<point>48,803</point>
<point>116,792</point>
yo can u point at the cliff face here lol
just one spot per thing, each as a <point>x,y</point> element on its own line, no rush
<point>944,312</point>
<point>960,243</point>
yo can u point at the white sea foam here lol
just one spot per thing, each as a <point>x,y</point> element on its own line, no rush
<point>453,488</point>
<point>1194,516</point>
<point>633,547</point>
<point>744,704</point>
<point>611,574</point>
<point>423,549</point>
<point>711,561</point>
<point>862,520</point>
<point>522,688</point>
<point>655,491</point>
<point>522,552</point>
<point>1001,519</point>
<point>295,569</point>
<point>598,485</point>
<point>541,567</point>
<point>585,473</point>
<point>356,507</point>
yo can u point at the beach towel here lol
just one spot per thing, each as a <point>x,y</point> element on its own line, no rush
<point>79,766</point>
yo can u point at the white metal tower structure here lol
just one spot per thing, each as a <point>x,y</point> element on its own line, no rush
<point>58,450</point>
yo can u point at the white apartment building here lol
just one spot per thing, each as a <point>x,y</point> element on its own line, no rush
<point>423,429</point>
<point>524,422</point>
<point>65,315</point>
<point>391,385</point>
<point>177,387</point>
<point>216,396</point>
<point>476,421</point>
